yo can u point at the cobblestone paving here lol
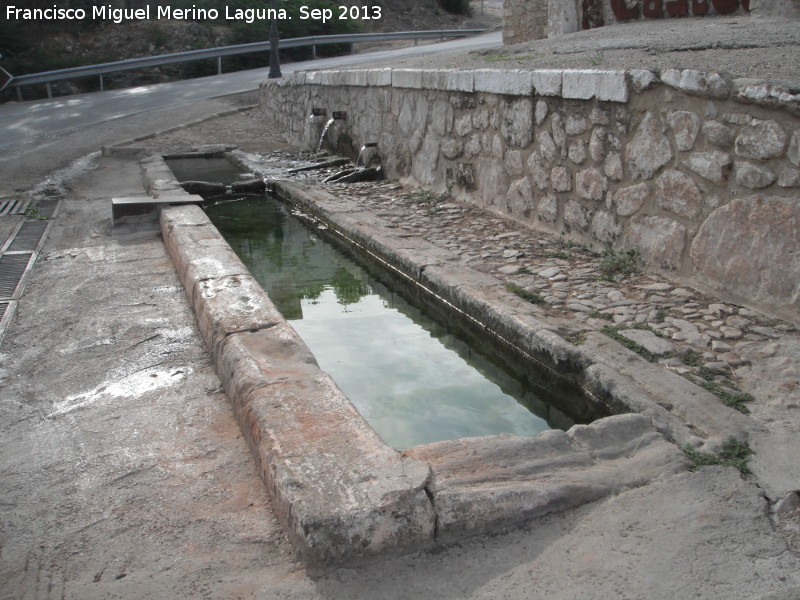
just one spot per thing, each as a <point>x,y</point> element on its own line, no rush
<point>581,289</point>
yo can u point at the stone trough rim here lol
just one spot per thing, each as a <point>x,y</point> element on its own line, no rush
<point>422,533</point>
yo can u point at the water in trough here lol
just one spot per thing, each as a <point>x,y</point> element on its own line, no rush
<point>414,373</point>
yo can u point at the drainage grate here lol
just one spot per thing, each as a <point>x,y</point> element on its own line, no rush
<point>45,208</point>
<point>13,207</point>
<point>12,268</point>
<point>7,308</point>
<point>28,236</point>
<point>18,254</point>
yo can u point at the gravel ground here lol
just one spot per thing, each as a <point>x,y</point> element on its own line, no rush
<point>741,46</point>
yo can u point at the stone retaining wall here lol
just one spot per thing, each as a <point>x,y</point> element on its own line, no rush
<point>698,172</point>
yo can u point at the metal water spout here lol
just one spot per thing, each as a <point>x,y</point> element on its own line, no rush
<point>364,148</point>
<point>318,112</point>
<point>338,115</point>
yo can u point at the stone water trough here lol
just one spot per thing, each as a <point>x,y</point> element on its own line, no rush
<point>344,495</point>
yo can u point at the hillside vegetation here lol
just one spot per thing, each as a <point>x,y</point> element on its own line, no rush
<point>36,46</point>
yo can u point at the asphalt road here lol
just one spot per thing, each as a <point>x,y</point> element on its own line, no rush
<point>32,124</point>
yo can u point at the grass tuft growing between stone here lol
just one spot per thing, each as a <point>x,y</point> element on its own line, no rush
<point>558,254</point>
<point>33,212</point>
<point>597,59</point>
<point>733,454</point>
<point>576,339</point>
<point>732,398</point>
<point>423,196</point>
<point>527,295</point>
<point>602,315</point>
<point>614,334</point>
<point>692,358</point>
<point>619,262</point>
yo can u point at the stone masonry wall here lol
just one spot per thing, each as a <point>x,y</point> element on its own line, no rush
<point>699,173</point>
<point>524,20</point>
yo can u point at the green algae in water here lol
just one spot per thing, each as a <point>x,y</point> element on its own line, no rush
<point>410,377</point>
<point>218,169</point>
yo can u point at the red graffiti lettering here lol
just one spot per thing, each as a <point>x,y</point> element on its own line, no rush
<point>678,8</point>
<point>654,9</point>
<point>622,12</point>
<point>725,6</point>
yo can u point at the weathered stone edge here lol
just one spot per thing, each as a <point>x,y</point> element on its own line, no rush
<point>338,489</point>
<point>678,409</point>
<point>482,485</point>
<point>612,85</point>
<point>157,177</point>
<point>367,502</point>
<point>337,515</point>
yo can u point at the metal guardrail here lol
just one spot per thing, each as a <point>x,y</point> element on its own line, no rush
<point>5,77</point>
<point>48,77</point>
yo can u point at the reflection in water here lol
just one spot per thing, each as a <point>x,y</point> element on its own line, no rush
<point>409,377</point>
<point>348,289</point>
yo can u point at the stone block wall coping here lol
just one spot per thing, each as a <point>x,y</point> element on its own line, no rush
<point>579,84</point>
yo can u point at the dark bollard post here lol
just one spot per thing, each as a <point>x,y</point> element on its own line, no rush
<point>274,58</point>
